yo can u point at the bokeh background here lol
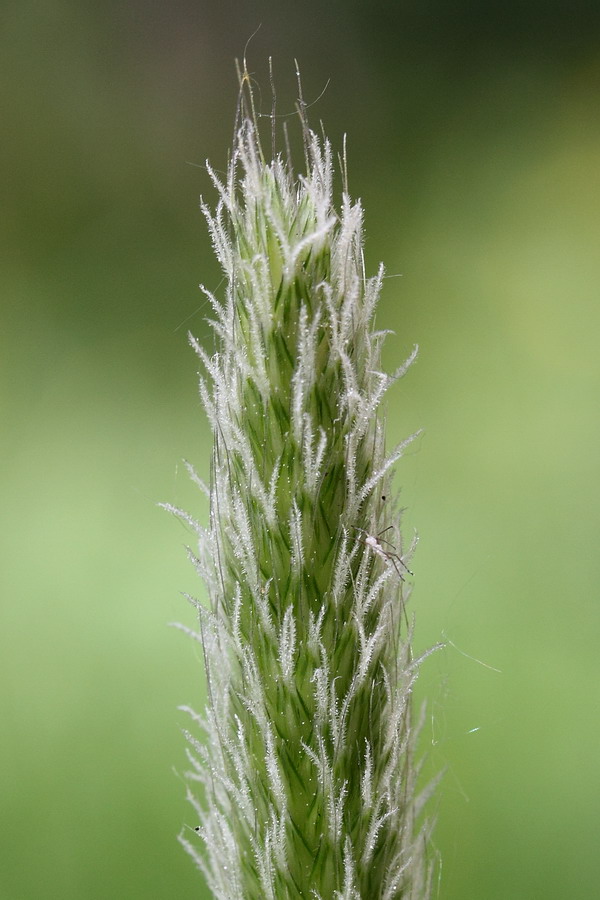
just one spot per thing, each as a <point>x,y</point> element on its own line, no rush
<point>474,142</point>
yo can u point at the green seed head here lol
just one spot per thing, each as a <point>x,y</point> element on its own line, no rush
<point>304,782</point>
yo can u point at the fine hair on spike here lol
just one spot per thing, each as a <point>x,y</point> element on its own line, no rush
<point>302,769</point>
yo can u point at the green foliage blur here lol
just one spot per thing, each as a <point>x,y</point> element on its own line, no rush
<point>474,142</point>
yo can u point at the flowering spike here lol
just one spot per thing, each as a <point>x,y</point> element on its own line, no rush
<point>307,763</point>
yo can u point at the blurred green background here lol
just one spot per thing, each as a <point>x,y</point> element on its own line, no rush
<point>474,142</point>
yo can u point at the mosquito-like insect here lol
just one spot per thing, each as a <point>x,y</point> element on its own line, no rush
<point>375,543</point>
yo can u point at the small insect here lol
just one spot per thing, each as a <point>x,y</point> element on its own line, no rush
<point>376,542</point>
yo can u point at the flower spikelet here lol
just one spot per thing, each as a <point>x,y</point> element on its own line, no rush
<point>304,780</point>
